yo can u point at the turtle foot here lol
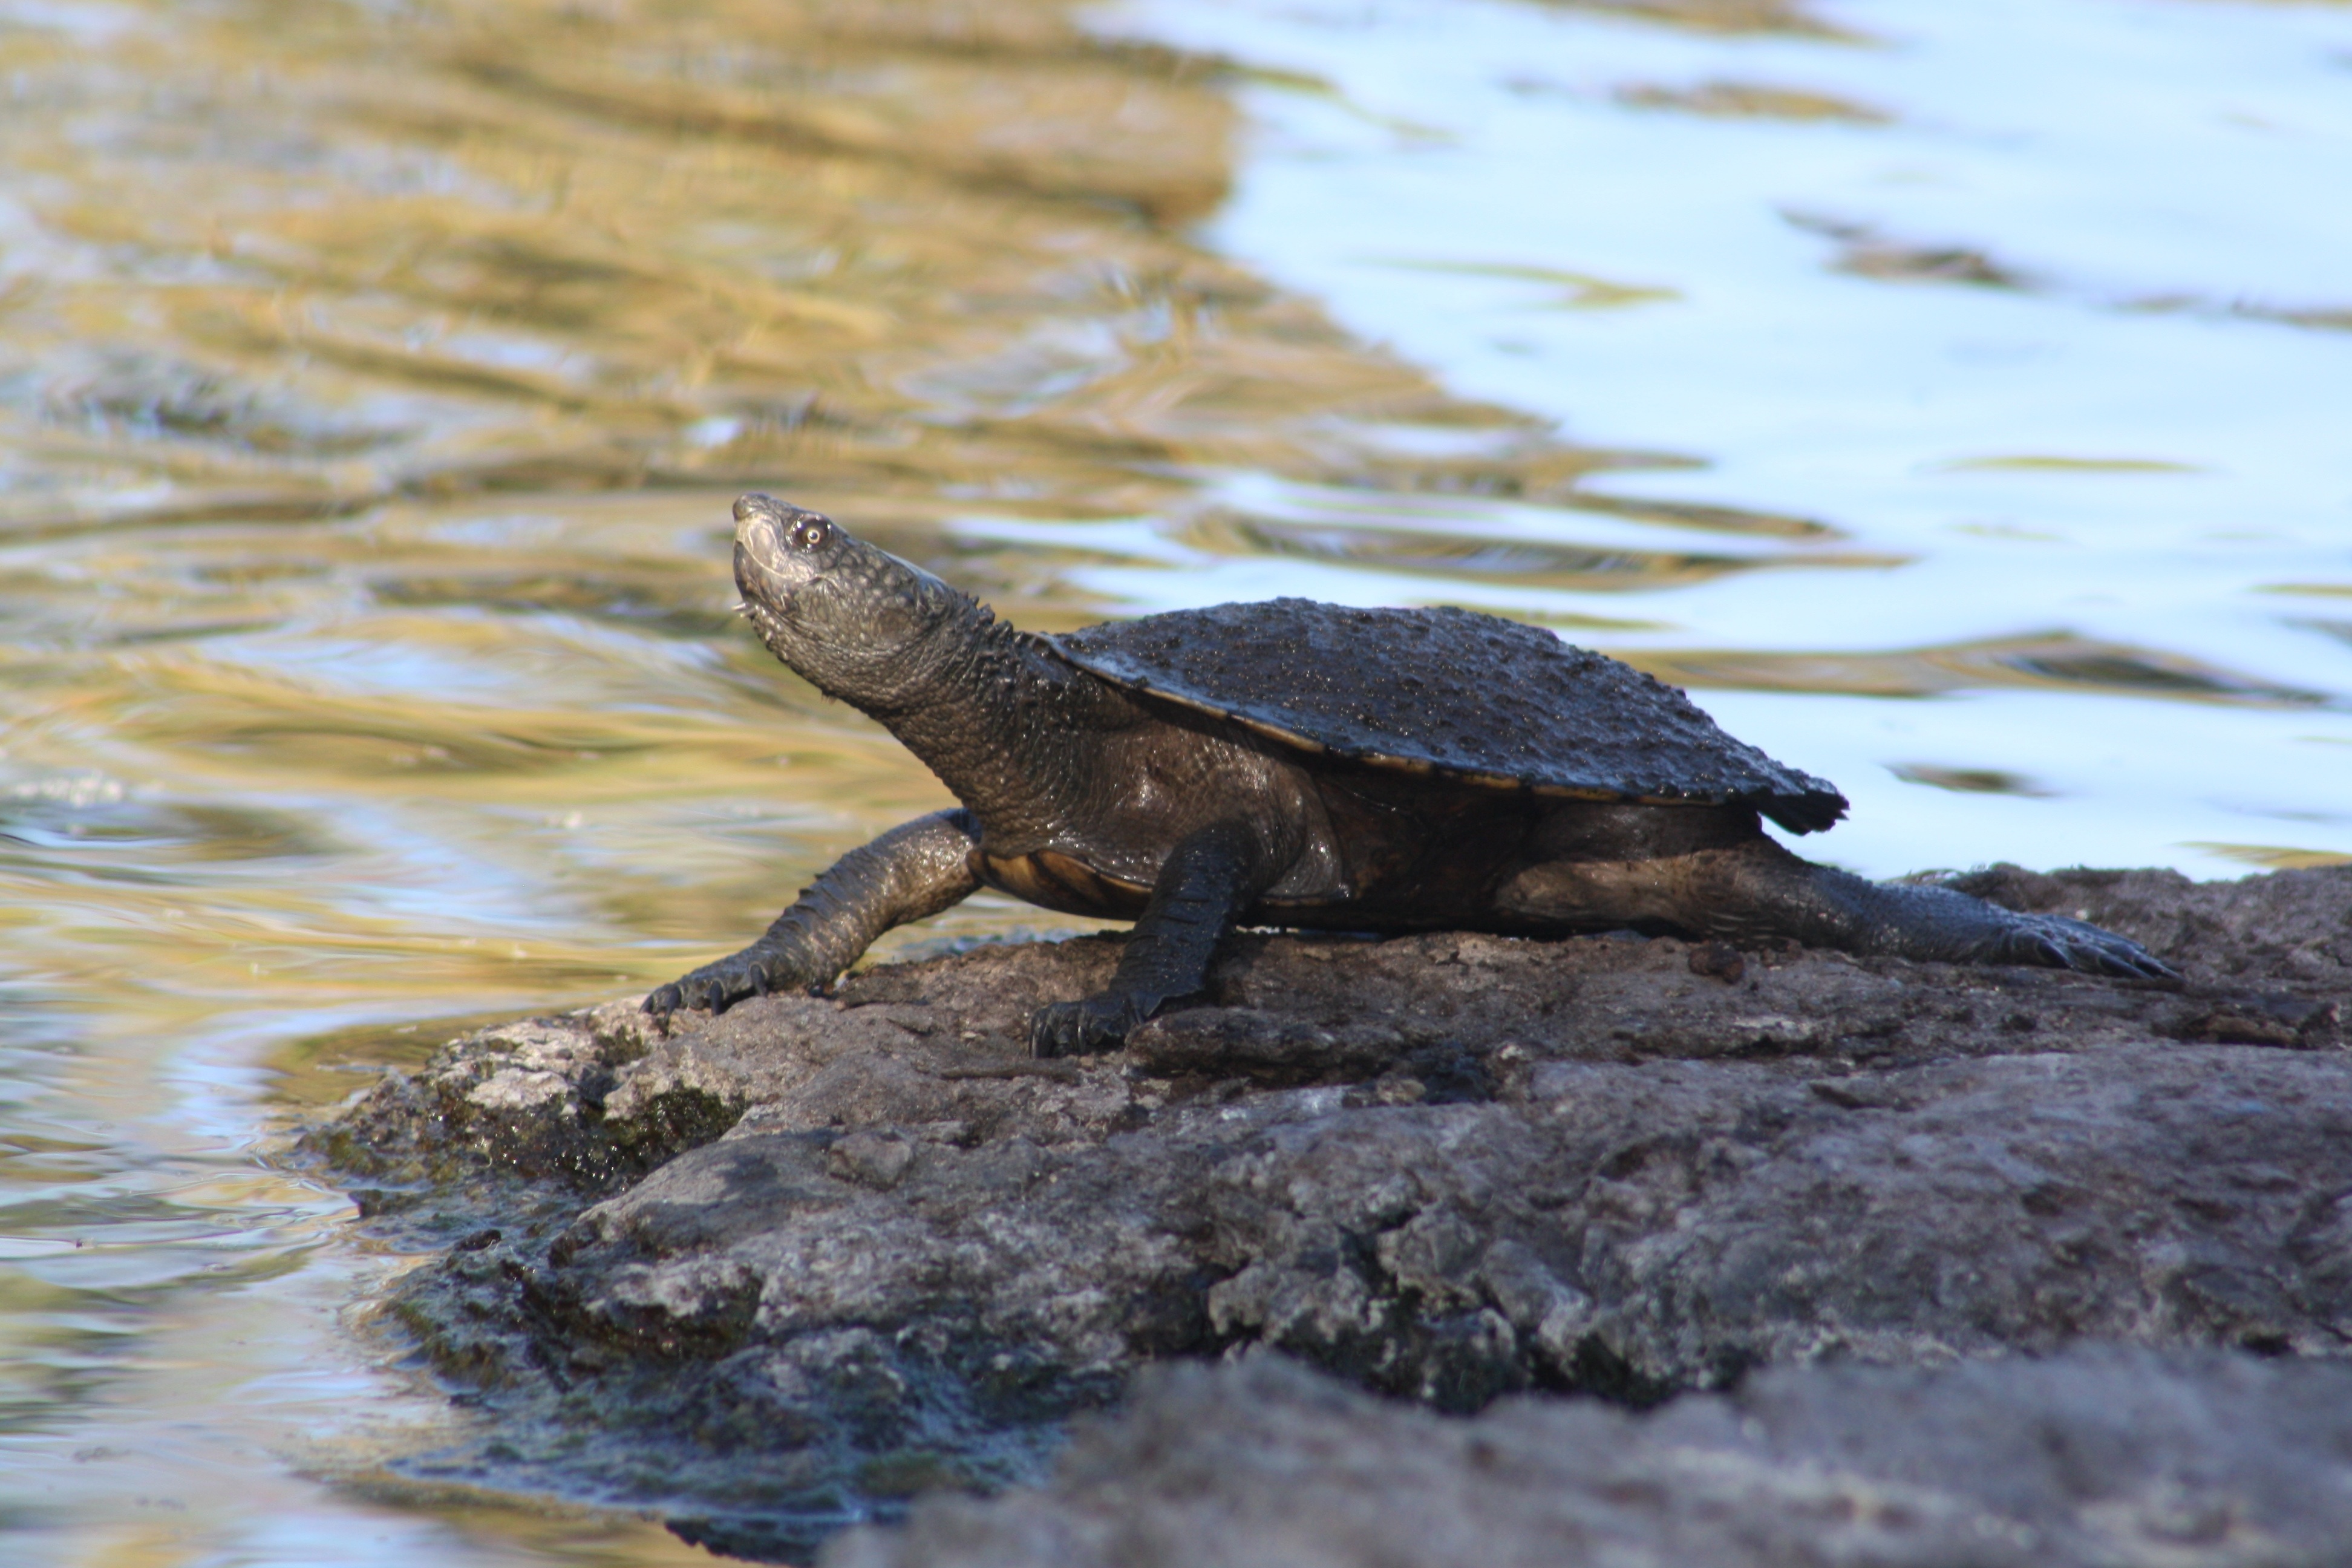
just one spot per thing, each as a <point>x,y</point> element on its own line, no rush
<point>719,986</point>
<point>2054,942</point>
<point>1080,1028</point>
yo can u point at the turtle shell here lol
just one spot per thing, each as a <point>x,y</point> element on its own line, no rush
<point>1449,693</point>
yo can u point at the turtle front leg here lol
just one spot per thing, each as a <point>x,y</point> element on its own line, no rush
<point>916,869</point>
<point>1209,878</point>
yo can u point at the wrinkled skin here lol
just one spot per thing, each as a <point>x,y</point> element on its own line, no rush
<point>1093,798</point>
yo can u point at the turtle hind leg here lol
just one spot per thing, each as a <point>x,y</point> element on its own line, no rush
<point>916,869</point>
<point>1761,890</point>
<point>1824,907</point>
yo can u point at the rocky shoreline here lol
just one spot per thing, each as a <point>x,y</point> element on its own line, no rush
<point>777,1272</point>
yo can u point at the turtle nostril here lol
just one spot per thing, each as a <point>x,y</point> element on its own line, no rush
<point>745,505</point>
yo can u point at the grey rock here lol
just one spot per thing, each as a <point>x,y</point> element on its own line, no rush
<point>525,1098</point>
<point>2095,1458</point>
<point>779,1269</point>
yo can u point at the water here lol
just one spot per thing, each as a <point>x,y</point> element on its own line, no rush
<point>2041,311</point>
<point>1952,395</point>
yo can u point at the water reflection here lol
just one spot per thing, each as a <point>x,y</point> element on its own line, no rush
<point>1967,781</point>
<point>1748,100</point>
<point>2059,661</point>
<point>527,245</point>
<point>2080,410</point>
<point>1469,558</point>
<point>373,381</point>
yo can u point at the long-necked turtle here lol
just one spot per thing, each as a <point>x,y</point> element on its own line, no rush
<point>1298,764</point>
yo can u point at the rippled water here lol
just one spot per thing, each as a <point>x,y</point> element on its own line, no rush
<point>1953,396</point>
<point>2041,313</point>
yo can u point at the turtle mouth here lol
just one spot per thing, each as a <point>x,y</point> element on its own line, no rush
<point>767,596</point>
<point>770,616</point>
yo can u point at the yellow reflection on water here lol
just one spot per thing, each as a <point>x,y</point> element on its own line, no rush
<point>2276,856</point>
<point>373,383</point>
<point>2057,661</point>
<point>2058,465</point>
<point>293,265</point>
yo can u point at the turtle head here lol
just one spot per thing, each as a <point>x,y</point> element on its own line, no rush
<point>858,623</point>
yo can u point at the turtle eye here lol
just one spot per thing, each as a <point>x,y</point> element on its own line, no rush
<point>811,533</point>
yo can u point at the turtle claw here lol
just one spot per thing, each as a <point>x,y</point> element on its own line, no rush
<point>2055,941</point>
<point>717,986</point>
<point>1081,1029</point>
<point>703,990</point>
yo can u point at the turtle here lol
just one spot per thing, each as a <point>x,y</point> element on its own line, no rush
<point>1305,765</point>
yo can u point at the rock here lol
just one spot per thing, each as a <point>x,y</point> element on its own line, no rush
<point>782,1269</point>
<point>2088,1459</point>
<point>524,1099</point>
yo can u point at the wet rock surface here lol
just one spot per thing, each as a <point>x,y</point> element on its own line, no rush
<point>781,1269</point>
